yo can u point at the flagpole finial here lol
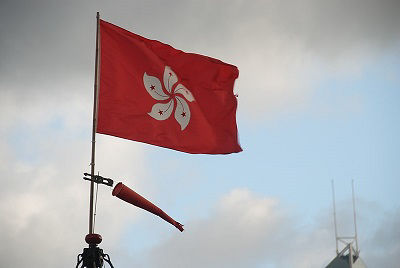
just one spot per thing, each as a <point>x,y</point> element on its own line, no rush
<point>93,239</point>
<point>93,256</point>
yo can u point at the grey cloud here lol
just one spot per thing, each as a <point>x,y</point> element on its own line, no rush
<point>281,48</point>
<point>383,247</point>
<point>46,77</point>
<point>43,200</point>
<point>246,230</point>
<point>44,41</point>
<point>59,36</point>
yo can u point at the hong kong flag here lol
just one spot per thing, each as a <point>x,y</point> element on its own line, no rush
<point>152,93</point>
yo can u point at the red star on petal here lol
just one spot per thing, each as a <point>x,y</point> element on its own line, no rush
<point>160,112</point>
<point>152,87</point>
<point>183,114</point>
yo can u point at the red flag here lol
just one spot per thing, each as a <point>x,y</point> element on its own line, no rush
<point>152,93</point>
<point>128,195</point>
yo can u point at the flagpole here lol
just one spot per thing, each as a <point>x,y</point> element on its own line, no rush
<point>95,100</point>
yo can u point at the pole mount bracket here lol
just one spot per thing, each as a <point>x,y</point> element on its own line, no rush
<point>98,179</point>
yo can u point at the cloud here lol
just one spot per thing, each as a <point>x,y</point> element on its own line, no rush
<point>42,216</point>
<point>244,230</point>
<point>248,230</point>
<point>283,49</point>
<point>382,249</point>
<point>46,79</point>
<point>44,200</point>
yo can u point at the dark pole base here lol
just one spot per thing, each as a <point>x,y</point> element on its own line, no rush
<point>93,256</point>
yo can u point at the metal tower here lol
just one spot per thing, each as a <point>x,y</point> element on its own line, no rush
<point>349,255</point>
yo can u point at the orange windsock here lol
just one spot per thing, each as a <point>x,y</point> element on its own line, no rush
<point>128,195</point>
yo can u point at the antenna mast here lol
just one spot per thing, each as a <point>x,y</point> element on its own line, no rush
<point>348,254</point>
<point>334,216</point>
<point>354,215</point>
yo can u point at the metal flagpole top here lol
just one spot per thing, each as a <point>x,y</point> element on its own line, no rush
<point>93,256</point>
<point>95,100</point>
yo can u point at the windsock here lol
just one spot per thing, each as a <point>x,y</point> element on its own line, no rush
<point>128,195</point>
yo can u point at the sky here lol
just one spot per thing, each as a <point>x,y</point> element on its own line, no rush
<point>318,100</point>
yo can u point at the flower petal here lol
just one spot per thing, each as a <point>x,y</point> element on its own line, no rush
<point>182,112</point>
<point>162,111</point>
<point>181,89</point>
<point>154,87</point>
<point>170,78</point>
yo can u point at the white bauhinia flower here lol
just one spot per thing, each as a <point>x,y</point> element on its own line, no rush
<point>179,95</point>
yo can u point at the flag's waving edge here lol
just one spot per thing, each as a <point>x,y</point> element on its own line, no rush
<point>153,93</point>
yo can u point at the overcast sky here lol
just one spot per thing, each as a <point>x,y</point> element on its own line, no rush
<point>319,93</point>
